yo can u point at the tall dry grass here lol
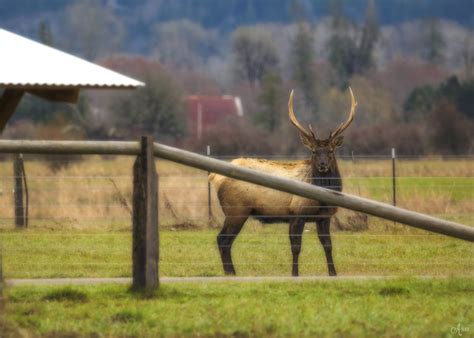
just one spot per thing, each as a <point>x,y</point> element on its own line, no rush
<point>96,192</point>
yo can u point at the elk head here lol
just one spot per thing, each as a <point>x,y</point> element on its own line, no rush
<point>323,157</point>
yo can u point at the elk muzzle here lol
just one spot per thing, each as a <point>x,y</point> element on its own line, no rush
<point>322,161</point>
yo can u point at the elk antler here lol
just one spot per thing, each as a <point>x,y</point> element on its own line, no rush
<point>308,137</point>
<point>346,124</point>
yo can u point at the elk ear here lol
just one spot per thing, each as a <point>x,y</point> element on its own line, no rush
<point>337,142</point>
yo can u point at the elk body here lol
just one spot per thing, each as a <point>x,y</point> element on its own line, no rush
<point>240,200</point>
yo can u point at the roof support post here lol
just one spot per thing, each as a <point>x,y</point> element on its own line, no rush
<point>8,103</point>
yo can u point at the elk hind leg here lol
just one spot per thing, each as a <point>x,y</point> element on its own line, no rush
<point>230,230</point>
<point>296,231</point>
<point>324,235</point>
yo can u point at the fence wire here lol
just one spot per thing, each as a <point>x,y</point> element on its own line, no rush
<point>80,221</point>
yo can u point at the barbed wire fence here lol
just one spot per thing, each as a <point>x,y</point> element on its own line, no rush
<point>80,220</point>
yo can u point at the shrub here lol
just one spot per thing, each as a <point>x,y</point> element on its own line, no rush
<point>233,136</point>
<point>379,139</point>
<point>449,131</point>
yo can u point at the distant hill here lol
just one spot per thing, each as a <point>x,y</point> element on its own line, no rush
<point>227,14</point>
<point>139,16</point>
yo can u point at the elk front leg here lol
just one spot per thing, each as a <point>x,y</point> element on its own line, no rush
<point>296,231</point>
<point>325,238</point>
<point>230,230</point>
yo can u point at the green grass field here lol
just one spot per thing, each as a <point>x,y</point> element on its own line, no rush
<point>80,227</point>
<point>391,308</point>
<point>258,251</point>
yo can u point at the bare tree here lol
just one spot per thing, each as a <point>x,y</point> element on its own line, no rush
<point>449,131</point>
<point>45,34</point>
<point>433,41</point>
<point>92,29</point>
<point>370,34</point>
<point>270,98</point>
<point>156,108</point>
<point>346,55</point>
<point>341,44</point>
<point>184,43</point>
<point>302,63</point>
<point>254,52</point>
<point>467,55</point>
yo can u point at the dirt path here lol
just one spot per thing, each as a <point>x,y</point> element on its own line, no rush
<point>94,281</point>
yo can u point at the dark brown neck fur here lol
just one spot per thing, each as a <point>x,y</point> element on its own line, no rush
<point>329,180</point>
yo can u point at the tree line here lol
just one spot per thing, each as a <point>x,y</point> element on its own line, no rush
<point>403,77</point>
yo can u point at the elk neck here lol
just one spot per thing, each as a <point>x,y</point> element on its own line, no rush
<point>329,180</point>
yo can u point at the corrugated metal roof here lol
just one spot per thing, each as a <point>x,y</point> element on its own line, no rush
<point>28,64</point>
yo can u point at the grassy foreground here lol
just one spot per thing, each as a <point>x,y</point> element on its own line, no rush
<point>258,251</point>
<point>392,308</point>
<point>80,227</point>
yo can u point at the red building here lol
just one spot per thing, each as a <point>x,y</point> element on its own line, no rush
<point>205,111</point>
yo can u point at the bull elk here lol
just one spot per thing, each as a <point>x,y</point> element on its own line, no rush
<point>240,200</point>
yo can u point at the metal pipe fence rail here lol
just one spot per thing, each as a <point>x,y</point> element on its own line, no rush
<point>227,169</point>
<point>212,165</point>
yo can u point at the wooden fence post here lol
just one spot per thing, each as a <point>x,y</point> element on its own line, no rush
<point>20,191</point>
<point>145,219</point>
<point>2,299</point>
<point>394,179</point>
<point>209,206</point>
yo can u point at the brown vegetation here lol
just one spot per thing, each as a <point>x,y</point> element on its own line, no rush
<point>96,193</point>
